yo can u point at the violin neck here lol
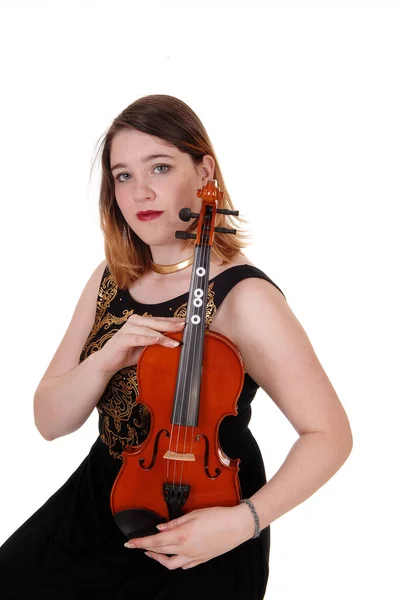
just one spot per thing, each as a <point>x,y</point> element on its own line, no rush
<point>187,392</point>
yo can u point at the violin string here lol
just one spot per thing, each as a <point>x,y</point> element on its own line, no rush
<point>204,300</point>
<point>195,348</point>
<point>192,332</point>
<point>181,384</point>
<point>180,380</point>
<point>202,251</point>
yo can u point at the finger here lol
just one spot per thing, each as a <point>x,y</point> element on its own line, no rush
<point>162,322</point>
<point>140,331</point>
<point>164,549</point>
<point>171,325</point>
<point>158,540</point>
<point>166,325</point>
<point>136,329</point>
<point>171,562</point>
<point>163,340</point>
<point>169,525</point>
<point>192,564</point>
<point>140,339</point>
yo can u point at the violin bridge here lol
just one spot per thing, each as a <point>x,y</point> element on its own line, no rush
<point>179,455</point>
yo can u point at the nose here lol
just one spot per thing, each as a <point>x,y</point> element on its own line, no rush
<point>141,192</point>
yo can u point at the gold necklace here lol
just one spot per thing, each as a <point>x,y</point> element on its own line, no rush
<point>171,268</point>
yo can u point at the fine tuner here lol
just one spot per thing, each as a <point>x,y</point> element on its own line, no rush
<point>186,214</point>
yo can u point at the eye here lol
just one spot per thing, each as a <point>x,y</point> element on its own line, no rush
<point>120,174</point>
<point>167,167</point>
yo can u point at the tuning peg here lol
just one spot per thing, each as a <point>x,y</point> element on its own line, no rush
<point>224,230</point>
<point>185,214</point>
<point>183,235</point>
<point>226,211</point>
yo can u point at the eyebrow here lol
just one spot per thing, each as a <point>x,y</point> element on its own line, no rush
<point>143,160</point>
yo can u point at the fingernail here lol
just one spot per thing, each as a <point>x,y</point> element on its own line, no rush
<point>129,545</point>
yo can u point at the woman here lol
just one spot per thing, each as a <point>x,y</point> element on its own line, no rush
<point>155,156</point>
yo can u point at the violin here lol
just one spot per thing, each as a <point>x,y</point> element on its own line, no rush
<point>188,390</point>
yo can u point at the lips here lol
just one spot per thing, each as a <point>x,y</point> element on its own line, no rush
<point>145,213</point>
<point>148,215</point>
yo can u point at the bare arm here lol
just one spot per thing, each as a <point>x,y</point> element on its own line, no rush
<point>278,355</point>
<point>69,391</point>
<point>64,403</point>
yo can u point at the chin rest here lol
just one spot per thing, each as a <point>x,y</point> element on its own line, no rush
<point>137,523</point>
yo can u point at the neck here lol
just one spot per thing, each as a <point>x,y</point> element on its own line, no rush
<point>167,269</point>
<point>170,255</point>
<point>169,261</point>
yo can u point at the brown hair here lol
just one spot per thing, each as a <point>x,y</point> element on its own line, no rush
<point>172,120</point>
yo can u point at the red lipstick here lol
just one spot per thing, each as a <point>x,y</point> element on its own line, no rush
<point>149,215</point>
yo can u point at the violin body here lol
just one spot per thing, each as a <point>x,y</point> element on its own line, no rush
<point>179,468</point>
<point>188,390</point>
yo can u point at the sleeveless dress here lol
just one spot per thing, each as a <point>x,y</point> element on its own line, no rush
<point>71,548</point>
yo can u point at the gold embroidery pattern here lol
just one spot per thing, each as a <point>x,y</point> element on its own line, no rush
<point>107,292</point>
<point>211,308</point>
<point>118,407</point>
<point>94,345</point>
<point>122,420</point>
<point>119,411</point>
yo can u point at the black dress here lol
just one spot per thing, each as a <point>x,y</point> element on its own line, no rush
<point>71,548</point>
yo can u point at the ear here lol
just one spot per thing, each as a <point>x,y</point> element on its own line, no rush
<point>207,168</point>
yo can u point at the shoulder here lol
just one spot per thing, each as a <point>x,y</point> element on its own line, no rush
<point>218,266</point>
<point>278,355</point>
<point>247,286</point>
<point>103,267</point>
<point>252,296</point>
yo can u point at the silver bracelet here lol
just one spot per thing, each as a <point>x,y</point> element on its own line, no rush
<point>255,516</point>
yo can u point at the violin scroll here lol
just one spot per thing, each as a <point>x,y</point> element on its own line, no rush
<point>210,194</point>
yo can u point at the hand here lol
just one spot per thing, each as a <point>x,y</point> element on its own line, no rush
<point>198,536</point>
<point>126,345</point>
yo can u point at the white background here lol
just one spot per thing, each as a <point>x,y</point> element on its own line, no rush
<point>300,101</point>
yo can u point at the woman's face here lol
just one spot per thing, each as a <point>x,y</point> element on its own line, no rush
<point>163,183</point>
